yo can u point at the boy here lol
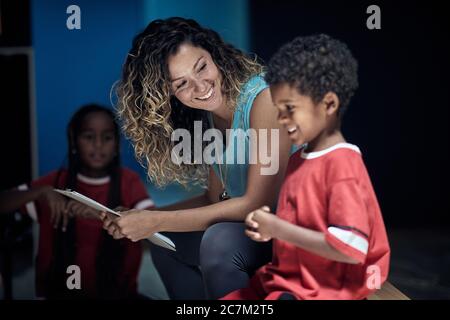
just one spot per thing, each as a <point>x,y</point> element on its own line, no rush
<point>329,239</point>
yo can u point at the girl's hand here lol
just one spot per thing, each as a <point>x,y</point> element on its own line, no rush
<point>260,224</point>
<point>138,224</point>
<point>77,209</point>
<point>58,211</point>
<point>121,209</point>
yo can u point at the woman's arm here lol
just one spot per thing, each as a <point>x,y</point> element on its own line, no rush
<point>209,197</point>
<point>195,202</point>
<point>261,189</point>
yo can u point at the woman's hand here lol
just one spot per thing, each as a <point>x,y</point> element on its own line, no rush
<point>261,224</point>
<point>58,210</point>
<point>133,224</point>
<point>109,224</point>
<point>138,224</point>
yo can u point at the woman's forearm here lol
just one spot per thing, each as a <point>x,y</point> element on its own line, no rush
<point>199,201</point>
<point>13,200</point>
<point>201,218</point>
<point>310,240</point>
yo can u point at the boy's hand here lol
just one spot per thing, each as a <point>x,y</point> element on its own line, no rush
<point>260,224</point>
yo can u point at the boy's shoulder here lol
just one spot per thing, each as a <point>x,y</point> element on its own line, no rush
<point>344,154</point>
<point>344,163</point>
<point>341,161</point>
<point>338,154</point>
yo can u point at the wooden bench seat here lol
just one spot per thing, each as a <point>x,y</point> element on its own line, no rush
<point>388,292</point>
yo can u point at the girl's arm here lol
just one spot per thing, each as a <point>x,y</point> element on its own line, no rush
<point>14,199</point>
<point>261,189</point>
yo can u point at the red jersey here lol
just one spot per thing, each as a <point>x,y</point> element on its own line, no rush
<point>328,191</point>
<point>88,232</point>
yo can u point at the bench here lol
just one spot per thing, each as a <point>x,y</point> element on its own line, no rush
<point>388,292</point>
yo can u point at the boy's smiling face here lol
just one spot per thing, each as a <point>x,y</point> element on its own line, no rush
<point>303,119</point>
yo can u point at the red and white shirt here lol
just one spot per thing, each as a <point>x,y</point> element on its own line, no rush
<point>88,231</point>
<point>328,191</point>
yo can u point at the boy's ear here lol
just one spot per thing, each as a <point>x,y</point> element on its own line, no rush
<point>331,101</point>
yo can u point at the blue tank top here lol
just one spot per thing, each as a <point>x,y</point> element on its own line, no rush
<point>235,175</point>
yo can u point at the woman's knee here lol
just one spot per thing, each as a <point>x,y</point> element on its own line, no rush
<point>220,243</point>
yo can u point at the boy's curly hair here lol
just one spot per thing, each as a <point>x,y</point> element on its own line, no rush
<point>316,65</point>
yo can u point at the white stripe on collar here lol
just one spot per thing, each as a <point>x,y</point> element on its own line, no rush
<point>317,154</point>
<point>93,181</point>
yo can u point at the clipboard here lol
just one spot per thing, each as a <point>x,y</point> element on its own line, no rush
<point>156,238</point>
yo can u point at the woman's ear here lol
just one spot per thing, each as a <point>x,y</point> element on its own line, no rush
<point>331,101</point>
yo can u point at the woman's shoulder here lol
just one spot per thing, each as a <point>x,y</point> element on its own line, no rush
<point>251,89</point>
<point>254,85</point>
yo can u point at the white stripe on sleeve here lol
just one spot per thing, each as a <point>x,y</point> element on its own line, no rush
<point>353,240</point>
<point>146,203</point>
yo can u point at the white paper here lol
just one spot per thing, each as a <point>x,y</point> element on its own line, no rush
<point>156,238</point>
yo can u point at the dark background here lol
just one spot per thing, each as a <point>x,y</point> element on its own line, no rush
<point>15,128</point>
<point>399,115</point>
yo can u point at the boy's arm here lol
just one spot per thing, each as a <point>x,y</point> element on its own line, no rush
<point>14,199</point>
<point>265,225</point>
<point>309,240</point>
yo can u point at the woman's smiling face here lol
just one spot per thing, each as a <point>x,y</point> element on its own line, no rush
<point>195,79</point>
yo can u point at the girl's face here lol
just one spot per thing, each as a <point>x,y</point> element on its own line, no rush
<point>195,79</point>
<point>96,143</point>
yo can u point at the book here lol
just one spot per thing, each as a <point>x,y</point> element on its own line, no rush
<point>156,238</point>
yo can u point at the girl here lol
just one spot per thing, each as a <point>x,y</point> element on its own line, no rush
<point>109,269</point>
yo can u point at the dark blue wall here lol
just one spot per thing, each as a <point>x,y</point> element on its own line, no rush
<point>75,67</point>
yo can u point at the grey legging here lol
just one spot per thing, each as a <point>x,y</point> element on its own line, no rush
<point>209,264</point>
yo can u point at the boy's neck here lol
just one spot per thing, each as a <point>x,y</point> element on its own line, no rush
<point>325,140</point>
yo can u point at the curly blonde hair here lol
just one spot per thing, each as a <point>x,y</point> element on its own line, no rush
<point>147,110</point>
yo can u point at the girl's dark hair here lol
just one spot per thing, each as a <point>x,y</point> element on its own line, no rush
<point>110,258</point>
<point>146,105</point>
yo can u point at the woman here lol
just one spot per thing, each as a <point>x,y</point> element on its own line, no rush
<point>178,72</point>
